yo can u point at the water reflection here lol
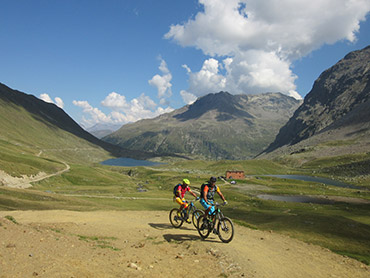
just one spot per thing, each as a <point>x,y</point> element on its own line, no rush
<point>124,161</point>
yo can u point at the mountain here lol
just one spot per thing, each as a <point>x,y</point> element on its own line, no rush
<point>337,107</point>
<point>216,126</point>
<point>28,123</point>
<point>102,130</point>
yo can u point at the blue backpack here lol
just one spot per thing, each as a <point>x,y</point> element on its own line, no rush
<point>176,188</point>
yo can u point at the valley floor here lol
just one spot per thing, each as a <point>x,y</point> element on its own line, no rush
<point>59,243</point>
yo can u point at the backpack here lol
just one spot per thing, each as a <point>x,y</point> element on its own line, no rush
<point>202,190</point>
<point>176,188</point>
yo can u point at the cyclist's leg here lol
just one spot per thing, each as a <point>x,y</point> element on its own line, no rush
<point>182,202</point>
<point>206,206</point>
<point>185,203</point>
<point>212,208</point>
<point>179,201</point>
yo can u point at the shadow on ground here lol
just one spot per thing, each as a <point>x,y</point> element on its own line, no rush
<point>181,237</point>
<point>165,226</point>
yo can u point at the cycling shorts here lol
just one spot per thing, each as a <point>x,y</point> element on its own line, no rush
<point>181,201</point>
<point>206,206</point>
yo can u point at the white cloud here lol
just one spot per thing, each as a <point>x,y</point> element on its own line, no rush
<point>147,102</point>
<point>188,98</point>
<point>255,71</point>
<point>46,98</point>
<point>58,101</point>
<point>162,82</point>
<point>207,80</point>
<point>96,115</point>
<point>263,38</point>
<point>114,101</point>
<point>122,112</point>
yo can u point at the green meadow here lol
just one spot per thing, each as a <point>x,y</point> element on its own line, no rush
<point>343,227</point>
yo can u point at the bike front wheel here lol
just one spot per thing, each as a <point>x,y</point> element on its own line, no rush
<point>196,214</point>
<point>225,229</point>
<point>175,219</point>
<point>204,227</point>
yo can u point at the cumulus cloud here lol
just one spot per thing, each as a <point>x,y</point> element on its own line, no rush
<point>162,82</point>
<point>94,115</point>
<point>188,98</point>
<point>115,101</point>
<point>58,101</point>
<point>261,39</point>
<point>122,111</point>
<point>207,80</point>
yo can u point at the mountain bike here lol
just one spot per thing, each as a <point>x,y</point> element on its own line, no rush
<point>218,223</point>
<point>177,216</point>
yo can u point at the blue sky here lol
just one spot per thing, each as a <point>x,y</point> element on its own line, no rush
<point>116,61</point>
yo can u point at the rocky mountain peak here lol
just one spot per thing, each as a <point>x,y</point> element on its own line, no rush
<point>222,102</point>
<point>218,126</point>
<point>340,90</point>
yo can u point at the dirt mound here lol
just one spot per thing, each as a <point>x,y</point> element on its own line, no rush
<point>144,244</point>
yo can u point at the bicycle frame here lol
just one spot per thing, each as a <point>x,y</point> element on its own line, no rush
<point>217,214</point>
<point>219,224</point>
<point>177,221</point>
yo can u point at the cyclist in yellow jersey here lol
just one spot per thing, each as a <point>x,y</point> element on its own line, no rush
<point>179,192</point>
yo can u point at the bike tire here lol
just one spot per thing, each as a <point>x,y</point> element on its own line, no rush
<point>204,229</point>
<point>196,214</point>
<point>175,220</point>
<point>225,229</point>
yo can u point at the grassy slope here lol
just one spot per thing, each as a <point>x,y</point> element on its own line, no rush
<point>28,145</point>
<point>342,227</point>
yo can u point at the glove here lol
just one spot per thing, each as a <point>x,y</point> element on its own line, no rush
<point>225,203</point>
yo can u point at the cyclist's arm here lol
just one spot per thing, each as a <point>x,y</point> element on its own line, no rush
<point>192,193</point>
<point>221,195</point>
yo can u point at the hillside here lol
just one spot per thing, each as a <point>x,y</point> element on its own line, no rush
<point>216,126</point>
<point>339,103</point>
<point>36,136</point>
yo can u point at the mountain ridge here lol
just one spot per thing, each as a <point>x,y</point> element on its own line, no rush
<point>340,90</point>
<point>216,126</point>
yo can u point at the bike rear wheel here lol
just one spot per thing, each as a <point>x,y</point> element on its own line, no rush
<point>196,214</point>
<point>175,219</point>
<point>204,227</point>
<point>225,229</point>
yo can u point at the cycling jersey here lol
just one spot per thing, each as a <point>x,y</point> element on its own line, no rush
<point>207,190</point>
<point>182,190</point>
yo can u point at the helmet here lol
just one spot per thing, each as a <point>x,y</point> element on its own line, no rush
<point>213,179</point>
<point>186,181</point>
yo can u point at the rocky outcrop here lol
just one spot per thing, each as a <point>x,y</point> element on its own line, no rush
<point>339,97</point>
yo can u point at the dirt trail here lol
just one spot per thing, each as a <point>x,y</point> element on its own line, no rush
<point>25,181</point>
<point>144,244</point>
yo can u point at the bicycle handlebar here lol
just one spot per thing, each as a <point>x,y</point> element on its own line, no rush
<point>218,204</point>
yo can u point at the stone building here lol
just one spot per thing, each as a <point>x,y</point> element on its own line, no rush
<point>238,175</point>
